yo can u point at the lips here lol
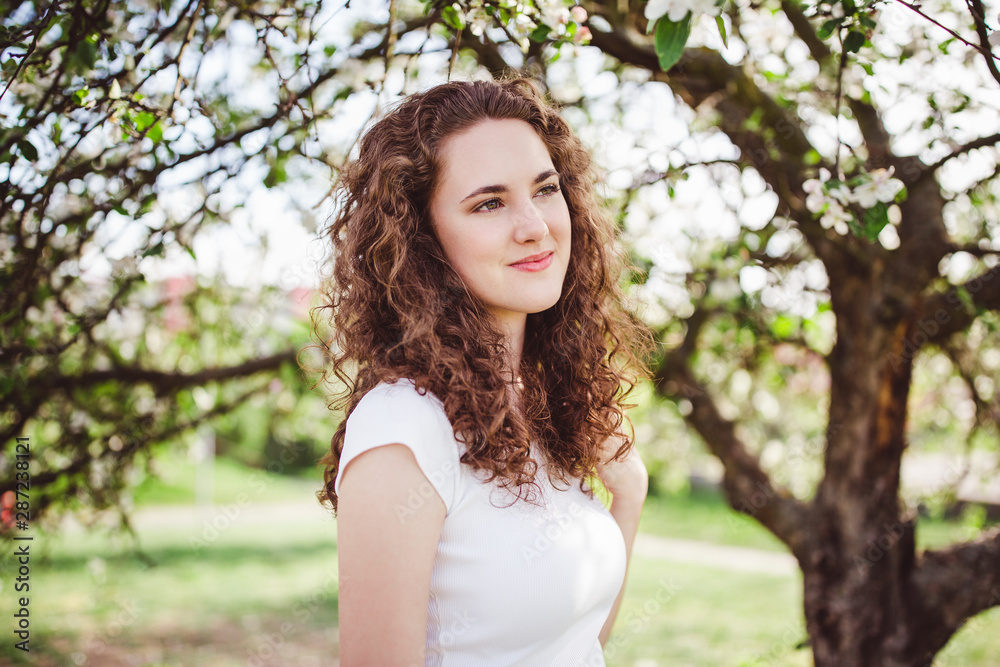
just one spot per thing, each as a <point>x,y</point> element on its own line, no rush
<point>535,263</point>
<point>533,258</point>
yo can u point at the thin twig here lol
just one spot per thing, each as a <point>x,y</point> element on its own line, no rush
<point>981,142</point>
<point>916,8</point>
<point>391,39</point>
<point>836,103</point>
<point>979,17</point>
<point>27,54</point>
<point>454,52</point>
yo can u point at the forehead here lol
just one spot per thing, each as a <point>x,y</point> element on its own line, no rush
<point>492,152</point>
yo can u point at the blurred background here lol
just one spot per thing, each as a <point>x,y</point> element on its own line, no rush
<point>167,169</point>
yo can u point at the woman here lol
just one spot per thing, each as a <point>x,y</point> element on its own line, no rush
<point>480,329</point>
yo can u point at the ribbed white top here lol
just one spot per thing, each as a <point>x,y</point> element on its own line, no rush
<point>513,584</point>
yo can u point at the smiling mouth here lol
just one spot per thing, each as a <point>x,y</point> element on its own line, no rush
<point>535,262</point>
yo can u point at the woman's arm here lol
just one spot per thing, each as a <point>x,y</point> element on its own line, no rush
<point>386,545</point>
<point>628,482</point>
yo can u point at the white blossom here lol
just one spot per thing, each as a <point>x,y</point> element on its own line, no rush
<point>836,216</point>
<point>817,195</point>
<point>841,193</point>
<point>554,12</point>
<point>881,188</point>
<point>675,10</point>
<point>478,20</point>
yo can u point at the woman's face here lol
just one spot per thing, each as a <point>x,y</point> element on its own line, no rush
<point>501,218</point>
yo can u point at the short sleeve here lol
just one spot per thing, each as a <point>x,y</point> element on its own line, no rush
<point>398,413</point>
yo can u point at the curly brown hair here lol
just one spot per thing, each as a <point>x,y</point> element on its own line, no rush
<point>400,311</point>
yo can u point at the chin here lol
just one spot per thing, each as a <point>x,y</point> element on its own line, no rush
<point>541,305</point>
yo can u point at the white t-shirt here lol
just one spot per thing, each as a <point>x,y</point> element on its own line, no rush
<point>513,584</point>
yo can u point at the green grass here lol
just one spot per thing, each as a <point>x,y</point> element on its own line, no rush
<point>93,589</point>
<point>177,476</point>
<point>681,614</point>
<point>211,597</point>
<point>706,516</point>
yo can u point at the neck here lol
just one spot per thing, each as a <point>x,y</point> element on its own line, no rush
<point>513,327</point>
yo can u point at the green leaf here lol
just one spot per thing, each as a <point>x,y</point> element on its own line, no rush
<point>670,40</point>
<point>876,218</point>
<point>276,175</point>
<point>856,228</point>
<point>540,33</point>
<point>28,150</point>
<point>752,123</point>
<point>867,67</point>
<point>450,16</point>
<point>963,295</point>
<point>155,251</point>
<point>722,30</point>
<point>155,133</point>
<point>854,41</point>
<point>849,8</point>
<point>827,28</point>
<point>784,326</point>
<point>143,119</point>
<point>82,58</point>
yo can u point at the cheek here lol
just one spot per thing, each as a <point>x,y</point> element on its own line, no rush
<point>466,251</point>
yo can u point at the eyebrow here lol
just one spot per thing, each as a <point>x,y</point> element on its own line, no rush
<point>495,189</point>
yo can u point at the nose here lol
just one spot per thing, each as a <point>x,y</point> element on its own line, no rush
<point>530,226</point>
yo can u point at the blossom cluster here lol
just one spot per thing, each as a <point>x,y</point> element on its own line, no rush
<point>831,199</point>
<point>676,10</point>
<point>564,22</point>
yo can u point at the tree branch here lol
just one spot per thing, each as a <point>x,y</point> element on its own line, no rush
<point>165,382</point>
<point>804,31</point>
<point>916,8</point>
<point>947,313</point>
<point>748,487</point>
<point>958,582</point>
<point>979,17</point>
<point>981,142</point>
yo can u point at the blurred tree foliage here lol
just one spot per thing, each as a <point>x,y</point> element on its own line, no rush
<point>124,136</point>
<point>809,188</point>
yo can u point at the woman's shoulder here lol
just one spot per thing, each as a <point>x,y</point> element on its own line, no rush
<point>401,397</point>
<point>400,408</point>
<point>400,413</point>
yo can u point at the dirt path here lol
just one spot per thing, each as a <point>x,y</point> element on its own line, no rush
<point>723,557</point>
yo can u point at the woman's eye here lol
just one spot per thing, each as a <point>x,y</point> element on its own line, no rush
<point>549,189</point>
<point>489,205</point>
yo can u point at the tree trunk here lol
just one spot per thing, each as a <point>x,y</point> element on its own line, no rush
<point>856,577</point>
